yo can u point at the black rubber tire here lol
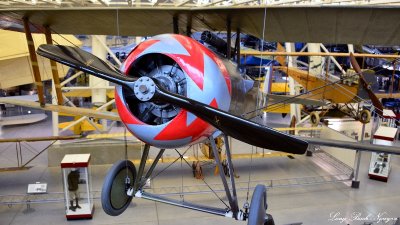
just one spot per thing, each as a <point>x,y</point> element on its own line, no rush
<point>270,220</point>
<point>314,118</point>
<point>365,116</point>
<point>258,206</point>
<point>113,194</point>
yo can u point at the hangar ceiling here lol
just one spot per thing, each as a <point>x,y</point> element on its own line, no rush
<point>188,3</point>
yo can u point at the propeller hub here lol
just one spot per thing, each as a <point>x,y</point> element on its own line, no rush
<point>144,89</point>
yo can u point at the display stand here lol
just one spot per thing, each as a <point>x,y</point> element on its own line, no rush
<point>388,118</point>
<point>77,186</point>
<point>34,189</point>
<point>379,167</point>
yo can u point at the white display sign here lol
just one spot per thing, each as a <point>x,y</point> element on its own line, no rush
<point>37,188</point>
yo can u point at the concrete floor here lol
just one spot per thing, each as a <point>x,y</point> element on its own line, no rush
<point>331,203</point>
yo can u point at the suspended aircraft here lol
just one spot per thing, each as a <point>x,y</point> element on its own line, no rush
<point>152,96</point>
<point>339,94</point>
<point>322,95</point>
<point>176,92</point>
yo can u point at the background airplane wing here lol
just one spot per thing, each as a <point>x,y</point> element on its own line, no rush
<point>31,98</point>
<point>64,109</point>
<point>287,99</point>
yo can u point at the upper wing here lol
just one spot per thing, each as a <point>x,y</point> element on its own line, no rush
<point>285,24</point>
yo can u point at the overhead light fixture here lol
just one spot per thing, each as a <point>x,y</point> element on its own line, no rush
<point>228,2</point>
<point>34,2</point>
<point>203,2</point>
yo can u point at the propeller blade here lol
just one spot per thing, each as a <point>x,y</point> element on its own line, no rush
<point>234,126</point>
<point>79,59</point>
<point>375,101</point>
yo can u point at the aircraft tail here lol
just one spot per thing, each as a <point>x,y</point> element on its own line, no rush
<point>281,59</point>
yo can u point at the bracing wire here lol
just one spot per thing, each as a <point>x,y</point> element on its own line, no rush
<point>257,109</point>
<point>212,190</point>
<point>153,177</point>
<point>182,196</point>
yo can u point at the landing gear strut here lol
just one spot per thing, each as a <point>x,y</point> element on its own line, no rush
<point>123,182</point>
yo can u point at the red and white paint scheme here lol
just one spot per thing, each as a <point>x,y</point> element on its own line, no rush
<point>183,66</point>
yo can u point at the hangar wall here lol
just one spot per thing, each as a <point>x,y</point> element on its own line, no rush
<point>352,128</point>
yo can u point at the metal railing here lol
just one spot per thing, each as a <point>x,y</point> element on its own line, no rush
<point>342,173</point>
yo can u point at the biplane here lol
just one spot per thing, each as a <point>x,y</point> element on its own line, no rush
<point>173,91</point>
<point>338,95</point>
<point>169,101</point>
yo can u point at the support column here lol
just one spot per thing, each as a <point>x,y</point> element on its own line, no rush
<point>99,95</point>
<point>293,86</point>
<point>316,62</point>
<point>138,39</point>
<point>350,47</point>
<point>34,62</point>
<point>355,183</point>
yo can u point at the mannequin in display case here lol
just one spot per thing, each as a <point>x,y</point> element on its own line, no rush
<point>73,188</point>
<point>77,186</point>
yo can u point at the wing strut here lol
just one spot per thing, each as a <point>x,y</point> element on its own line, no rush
<point>232,197</point>
<point>54,69</point>
<point>34,62</point>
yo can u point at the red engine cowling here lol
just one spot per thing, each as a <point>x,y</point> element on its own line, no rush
<point>183,66</point>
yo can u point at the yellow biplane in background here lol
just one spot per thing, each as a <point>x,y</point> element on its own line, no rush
<point>339,95</point>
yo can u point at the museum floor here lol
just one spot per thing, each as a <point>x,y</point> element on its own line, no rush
<point>289,203</point>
